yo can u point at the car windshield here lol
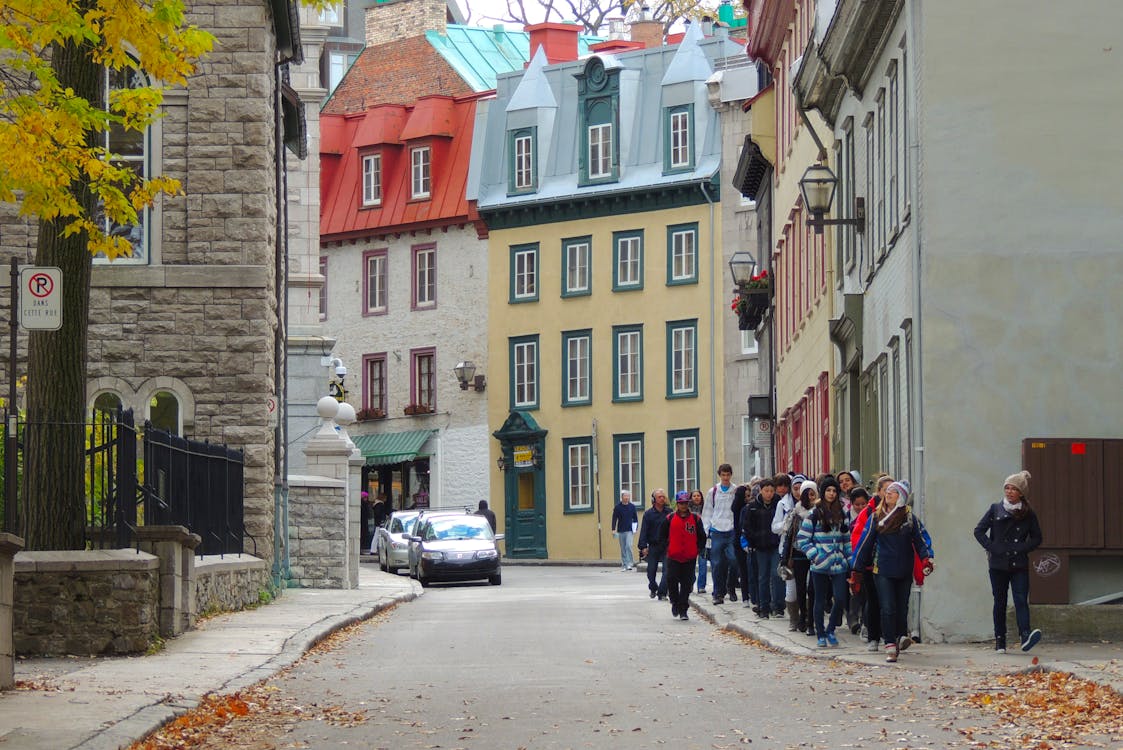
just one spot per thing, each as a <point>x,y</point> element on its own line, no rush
<point>448,529</point>
<point>407,525</point>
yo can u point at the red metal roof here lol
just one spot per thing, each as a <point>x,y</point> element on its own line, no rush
<point>442,123</point>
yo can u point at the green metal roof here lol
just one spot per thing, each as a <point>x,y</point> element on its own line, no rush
<point>384,448</point>
<point>480,54</point>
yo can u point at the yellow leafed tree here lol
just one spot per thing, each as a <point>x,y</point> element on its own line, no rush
<point>56,107</point>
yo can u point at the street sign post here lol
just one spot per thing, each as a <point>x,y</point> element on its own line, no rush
<point>40,298</point>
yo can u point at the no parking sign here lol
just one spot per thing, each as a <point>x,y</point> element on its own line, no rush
<point>40,298</point>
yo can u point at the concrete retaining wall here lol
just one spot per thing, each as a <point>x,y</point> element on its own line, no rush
<point>230,583</point>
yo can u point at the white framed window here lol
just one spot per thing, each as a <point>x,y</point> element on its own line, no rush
<point>331,16</point>
<point>131,150</point>
<point>680,139</point>
<point>525,270</point>
<point>524,375</point>
<point>424,277</point>
<point>748,342</point>
<point>524,161</point>
<point>420,164</point>
<point>578,366</point>
<point>629,466</point>
<point>684,254</point>
<point>893,149</point>
<point>682,359</point>
<point>578,258</point>
<point>882,213</point>
<point>338,65</point>
<point>600,151</point>
<point>372,180</point>
<point>628,346</point>
<point>579,473</point>
<point>683,449</point>
<point>376,281</point>
<point>628,270</point>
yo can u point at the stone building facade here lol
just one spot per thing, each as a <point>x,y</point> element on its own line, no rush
<point>187,331</point>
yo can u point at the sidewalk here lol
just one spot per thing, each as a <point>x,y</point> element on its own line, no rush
<point>1099,662</point>
<point>108,703</point>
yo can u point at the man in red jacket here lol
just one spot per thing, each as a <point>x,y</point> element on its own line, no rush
<point>683,537</point>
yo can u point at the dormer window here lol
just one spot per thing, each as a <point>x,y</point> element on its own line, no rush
<point>524,169</point>
<point>599,97</point>
<point>420,159</point>
<point>679,154</point>
<point>372,180</point>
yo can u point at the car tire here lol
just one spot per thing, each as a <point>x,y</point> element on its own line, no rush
<point>424,581</point>
<point>382,563</point>
<point>496,579</point>
<point>392,569</point>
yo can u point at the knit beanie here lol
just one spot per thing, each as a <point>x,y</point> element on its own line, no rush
<point>902,488</point>
<point>1020,481</point>
<point>855,475</point>
<point>808,485</point>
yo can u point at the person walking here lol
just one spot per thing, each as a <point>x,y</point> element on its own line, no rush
<point>784,503</point>
<point>824,537</point>
<point>892,534</point>
<point>757,524</point>
<point>795,559</point>
<point>651,550</point>
<point>624,524</point>
<point>487,513</point>
<point>684,537</point>
<point>744,566</point>
<point>859,590</point>
<point>717,516</point>
<point>1009,531</point>
<point>697,502</point>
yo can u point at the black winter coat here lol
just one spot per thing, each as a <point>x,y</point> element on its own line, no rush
<point>1008,540</point>
<point>756,525</point>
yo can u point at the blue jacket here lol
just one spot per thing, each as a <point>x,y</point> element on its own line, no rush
<point>891,554</point>
<point>624,517</point>
<point>828,550</point>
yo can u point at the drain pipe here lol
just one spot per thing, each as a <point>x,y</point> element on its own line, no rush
<point>713,357</point>
<point>280,567</point>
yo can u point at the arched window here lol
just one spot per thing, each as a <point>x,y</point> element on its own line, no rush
<point>164,412</point>
<point>107,403</point>
<point>129,148</point>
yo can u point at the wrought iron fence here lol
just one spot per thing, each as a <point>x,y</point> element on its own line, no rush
<point>191,483</point>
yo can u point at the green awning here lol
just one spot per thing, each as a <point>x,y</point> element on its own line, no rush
<point>384,448</point>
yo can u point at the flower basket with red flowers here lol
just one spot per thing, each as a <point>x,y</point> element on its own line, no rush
<point>414,409</point>
<point>369,413</point>
<point>751,301</point>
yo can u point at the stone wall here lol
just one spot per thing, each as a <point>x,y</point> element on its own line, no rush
<point>401,19</point>
<point>9,546</point>
<point>318,532</point>
<point>230,583</point>
<point>99,602</point>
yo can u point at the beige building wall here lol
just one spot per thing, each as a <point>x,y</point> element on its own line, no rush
<point>588,535</point>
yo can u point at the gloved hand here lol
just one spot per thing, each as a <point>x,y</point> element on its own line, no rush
<point>744,542</point>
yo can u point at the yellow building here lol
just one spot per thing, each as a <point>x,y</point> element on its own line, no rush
<point>605,287</point>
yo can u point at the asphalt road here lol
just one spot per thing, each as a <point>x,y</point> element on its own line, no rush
<point>582,658</point>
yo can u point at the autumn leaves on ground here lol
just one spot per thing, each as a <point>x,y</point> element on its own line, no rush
<point>1037,710</point>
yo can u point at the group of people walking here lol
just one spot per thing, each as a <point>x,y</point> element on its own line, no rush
<point>820,551</point>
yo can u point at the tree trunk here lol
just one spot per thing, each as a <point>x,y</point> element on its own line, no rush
<point>54,452</point>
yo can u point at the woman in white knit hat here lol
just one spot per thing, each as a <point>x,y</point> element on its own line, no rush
<point>1009,531</point>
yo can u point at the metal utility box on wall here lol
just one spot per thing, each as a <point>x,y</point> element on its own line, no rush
<point>760,407</point>
<point>1077,493</point>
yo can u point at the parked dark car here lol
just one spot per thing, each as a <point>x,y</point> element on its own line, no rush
<point>457,547</point>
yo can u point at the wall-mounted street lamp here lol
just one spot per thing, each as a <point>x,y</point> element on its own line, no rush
<point>817,186</point>
<point>501,463</point>
<point>466,374</point>
<point>742,267</point>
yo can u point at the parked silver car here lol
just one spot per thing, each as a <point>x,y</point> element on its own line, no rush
<point>454,547</point>
<point>390,542</point>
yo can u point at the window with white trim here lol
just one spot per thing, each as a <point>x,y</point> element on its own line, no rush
<point>524,372</point>
<point>376,281</point>
<point>577,255</point>
<point>683,449</point>
<point>682,358</point>
<point>576,380</point>
<point>578,474</point>
<point>424,277</point>
<point>628,450</point>
<point>420,162</point>
<point>628,266</point>
<point>600,151</point>
<point>627,353</point>
<point>524,270</point>
<point>524,178</point>
<point>678,129</point>
<point>131,150</point>
<point>684,253</point>
<point>372,180</point>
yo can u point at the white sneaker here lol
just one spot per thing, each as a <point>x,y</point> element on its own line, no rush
<point>872,646</point>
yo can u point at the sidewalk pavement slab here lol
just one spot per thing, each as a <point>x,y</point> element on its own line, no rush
<point>109,703</point>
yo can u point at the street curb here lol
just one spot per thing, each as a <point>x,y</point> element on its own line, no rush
<point>153,717</point>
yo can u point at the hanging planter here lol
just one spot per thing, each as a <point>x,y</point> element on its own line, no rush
<point>752,300</point>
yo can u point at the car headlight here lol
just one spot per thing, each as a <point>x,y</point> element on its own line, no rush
<point>487,554</point>
<point>432,555</point>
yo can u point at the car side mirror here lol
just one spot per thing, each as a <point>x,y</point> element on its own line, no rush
<point>499,537</point>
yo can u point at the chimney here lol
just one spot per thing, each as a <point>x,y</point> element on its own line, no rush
<point>645,30</point>
<point>558,39</point>
<point>394,20</point>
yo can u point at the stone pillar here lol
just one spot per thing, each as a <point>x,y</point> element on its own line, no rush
<point>9,546</point>
<point>175,546</point>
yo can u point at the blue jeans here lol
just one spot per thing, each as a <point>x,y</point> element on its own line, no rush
<point>834,585</point>
<point>655,555</point>
<point>626,558</point>
<point>893,598</point>
<point>1018,583</point>
<point>703,566</point>
<point>769,587</point>
<point>721,557</point>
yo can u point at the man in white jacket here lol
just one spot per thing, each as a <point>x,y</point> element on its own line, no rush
<point>717,518</point>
